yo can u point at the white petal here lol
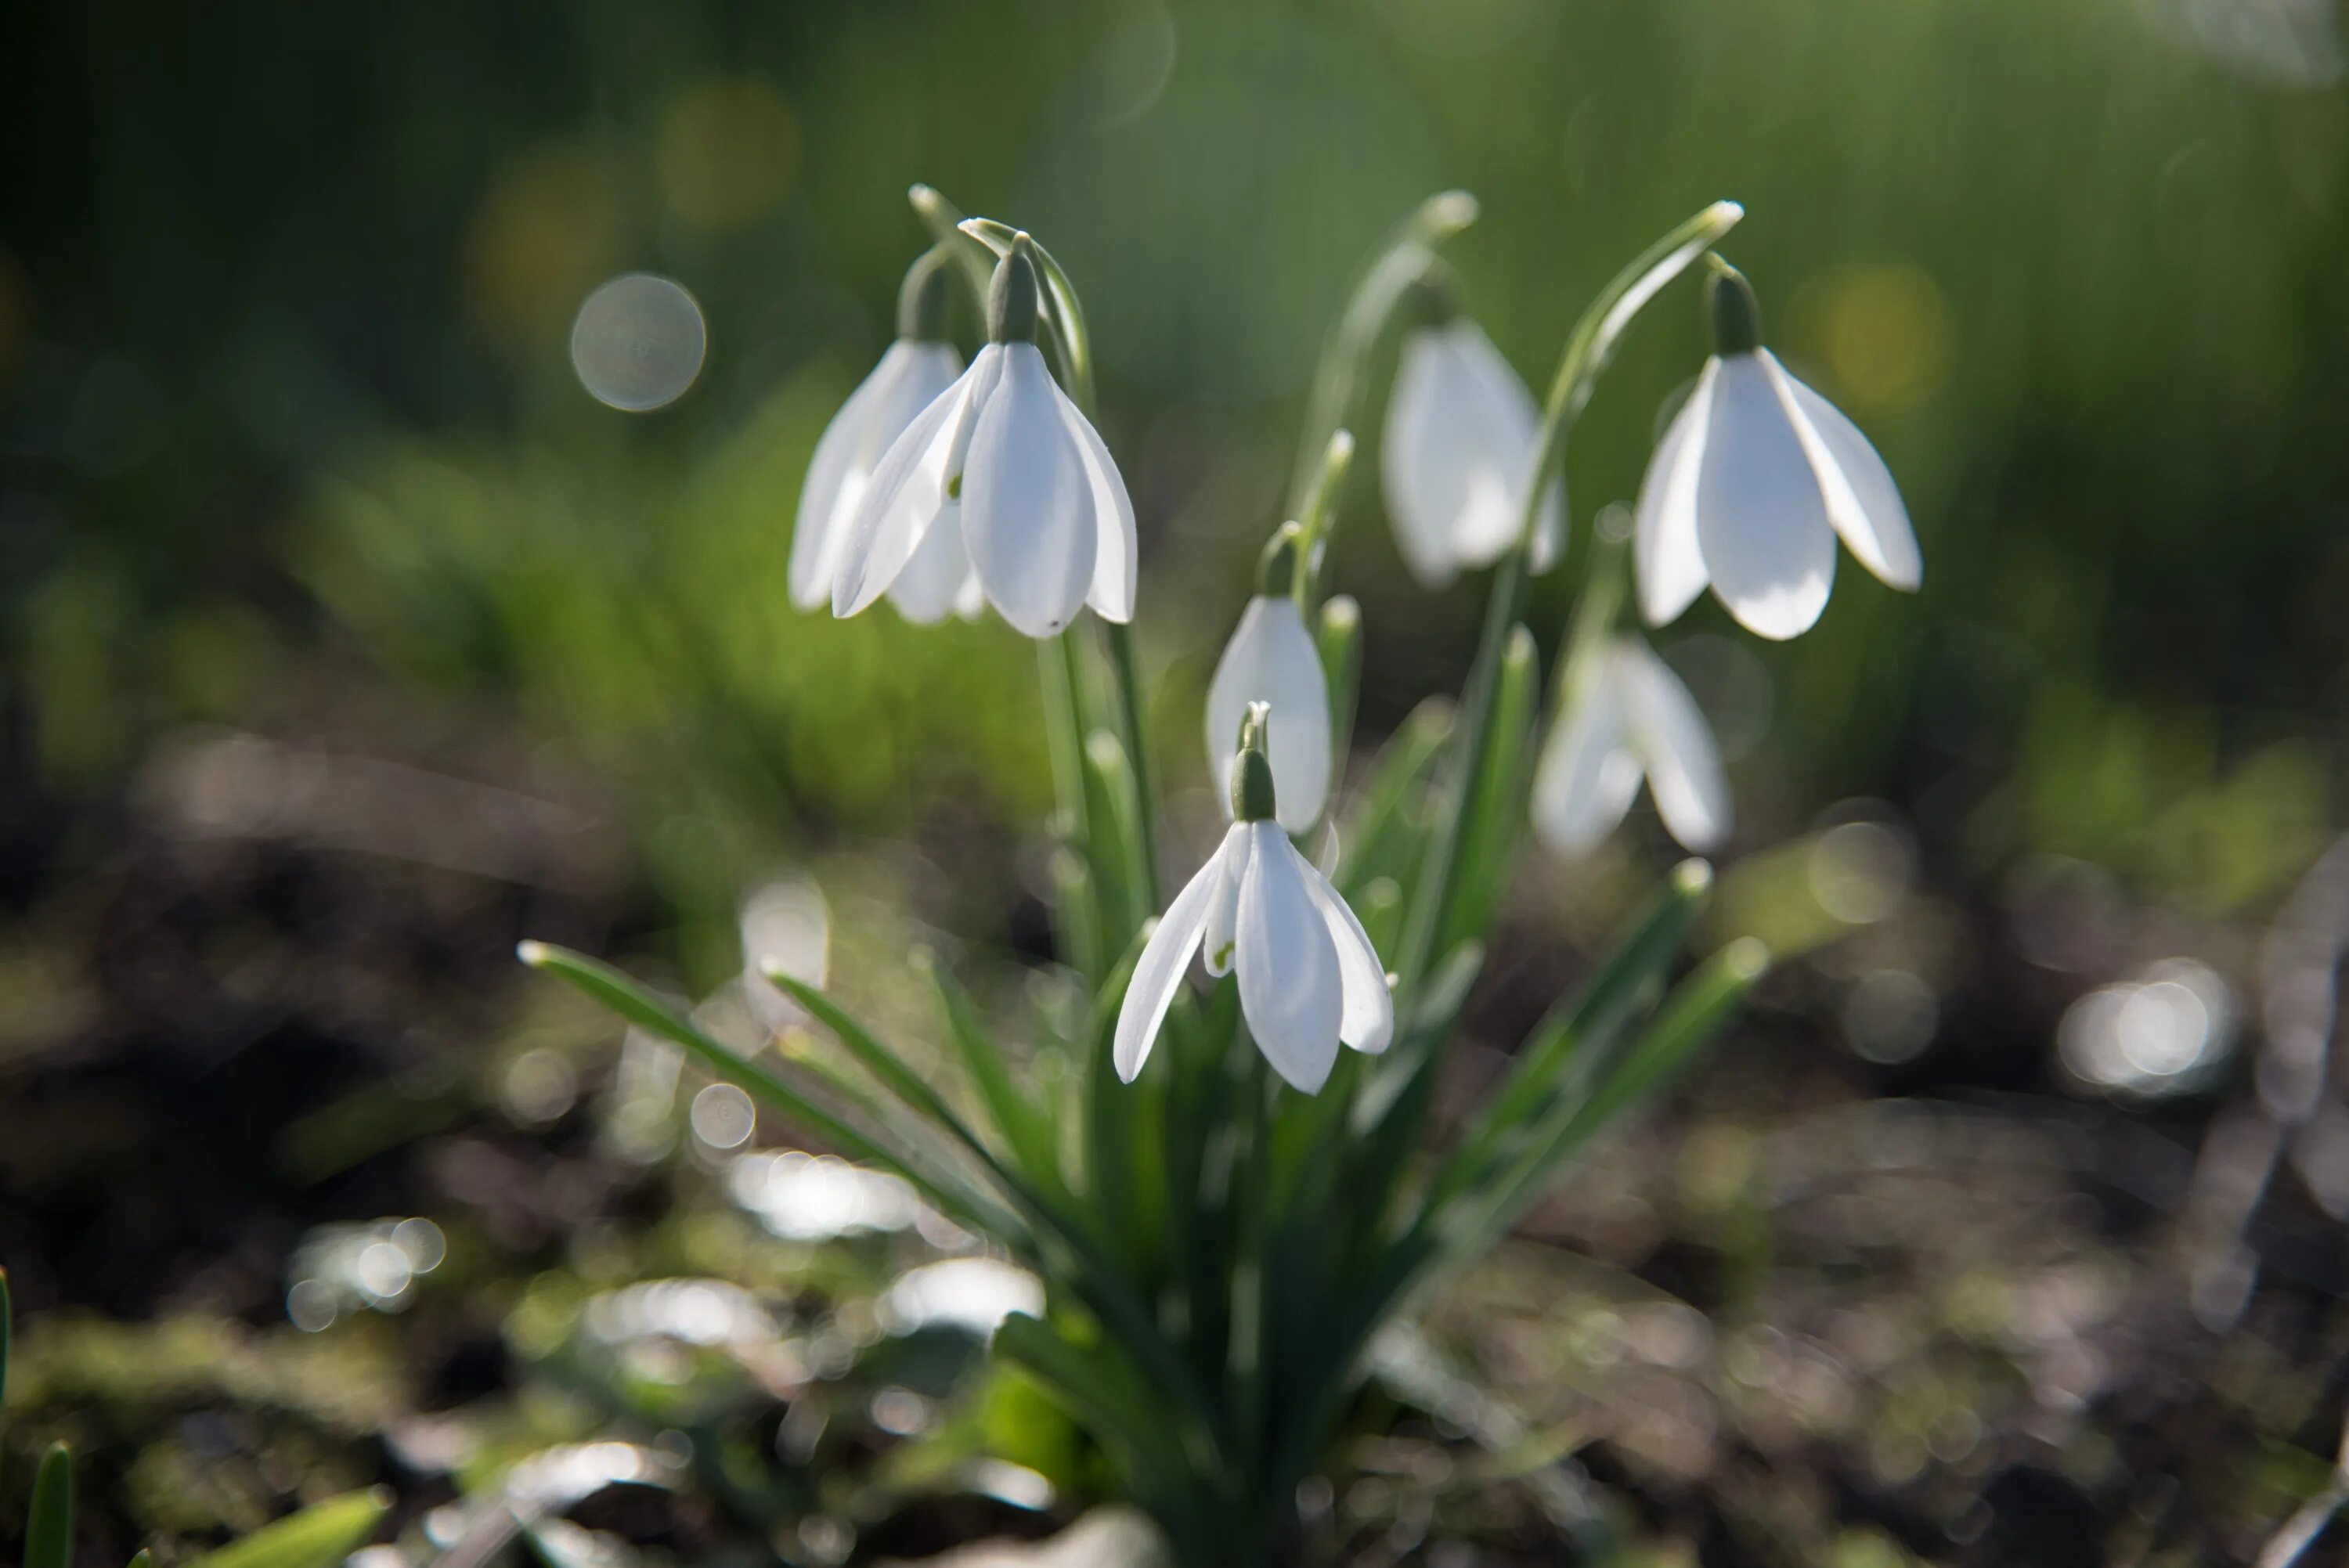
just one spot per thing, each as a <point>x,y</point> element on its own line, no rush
<point>1589,772</point>
<point>970,599</point>
<point>1290,993</point>
<point>1158,973</point>
<point>1026,506</point>
<point>907,489</point>
<point>1112,594</point>
<point>1419,464</point>
<point>1224,905</point>
<point>1761,518</point>
<point>822,524</point>
<point>1667,561</point>
<point>1501,426</point>
<point>926,591</point>
<point>1271,659</point>
<point>1683,763</point>
<point>1863,502</point>
<point>1367,1023</point>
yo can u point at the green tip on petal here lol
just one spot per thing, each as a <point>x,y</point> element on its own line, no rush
<point>1736,313</point>
<point>1252,794</point>
<point>1011,298</point>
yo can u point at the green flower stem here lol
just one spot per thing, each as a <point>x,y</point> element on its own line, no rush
<point>1587,351</point>
<point>1341,377</point>
<point>1318,514</point>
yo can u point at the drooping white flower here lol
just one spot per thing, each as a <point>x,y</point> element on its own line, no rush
<point>1309,976</point>
<point>1628,718</point>
<point>1751,485</point>
<point>1272,659</point>
<point>1003,471</point>
<point>1462,435</point>
<point>910,376</point>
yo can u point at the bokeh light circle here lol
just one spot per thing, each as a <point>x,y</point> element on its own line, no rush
<point>639,342</point>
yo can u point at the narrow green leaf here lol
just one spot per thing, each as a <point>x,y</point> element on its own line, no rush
<point>1337,638</point>
<point>7,1330</point>
<point>1381,826</point>
<point>632,1001</point>
<point>1023,1124</point>
<point>1107,1397</point>
<point>1691,1017</point>
<point>1114,808</point>
<point>49,1527</point>
<point>1598,1012</point>
<point>143,1558</point>
<point>319,1536</point>
<point>1494,827</point>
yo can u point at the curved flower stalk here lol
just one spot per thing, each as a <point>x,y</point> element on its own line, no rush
<point>1462,437</point>
<point>1002,466</point>
<point>1272,660</point>
<point>1309,976</point>
<point>1630,719</point>
<point>1753,482</point>
<point>913,370</point>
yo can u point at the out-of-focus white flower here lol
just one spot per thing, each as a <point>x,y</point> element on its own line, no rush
<point>1630,718</point>
<point>1002,470</point>
<point>1271,659</point>
<point>1309,974</point>
<point>786,928</point>
<point>1753,482</point>
<point>1461,438</point>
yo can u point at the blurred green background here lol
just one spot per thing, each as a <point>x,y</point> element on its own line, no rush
<point>284,298</point>
<point>310,537</point>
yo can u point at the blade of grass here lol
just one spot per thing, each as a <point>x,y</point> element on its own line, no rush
<point>48,1524</point>
<point>319,1536</point>
<point>1023,1124</point>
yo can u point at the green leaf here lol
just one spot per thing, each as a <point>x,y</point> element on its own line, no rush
<point>1338,639</point>
<point>1496,818</point>
<point>632,1001</point>
<point>143,1558</point>
<point>1023,1123</point>
<point>1114,807</point>
<point>319,1536</point>
<point>48,1526</point>
<point>7,1329</point>
<point>1691,1017</point>
<point>1381,830</point>
<point>1599,1013</point>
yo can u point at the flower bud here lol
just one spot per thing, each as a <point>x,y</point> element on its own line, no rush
<point>923,298</point>
<point>1736,314</point>
<point>1011,298</point>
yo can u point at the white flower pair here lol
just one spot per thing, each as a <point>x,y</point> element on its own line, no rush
<point>992,489</point>
<point>1309,976</point>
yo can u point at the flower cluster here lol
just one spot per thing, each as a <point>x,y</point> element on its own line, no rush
<point>947,492</point>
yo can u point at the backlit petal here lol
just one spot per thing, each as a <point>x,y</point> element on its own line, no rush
<point>926,591</point>
<point>901,502</point>
<point>1863,502</point>
<point>825,514</point>
<point>1589,772</point>
<point>1367,1020</point>
<point>1112,594</point>
<point>1665,557</point>
<point>1027,507</point>
<point>1289,988</point>
<point>1761,519</point>
<point>1271,659</point>
<point>1158,973</point>
<point>1683,763</point>
<point>1224,905</point>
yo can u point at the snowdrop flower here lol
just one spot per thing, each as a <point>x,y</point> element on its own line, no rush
<point>917,367</point>
<point>1309,976</point>
<point>1752,484</point>
<point>1462,435</point>
<point>1000,469</point>
<point>1628,717</point>
<point>1272,659</point>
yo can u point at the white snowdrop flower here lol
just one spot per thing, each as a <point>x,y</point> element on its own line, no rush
<point>1272,659</point>
<point>913,372</point>
<point>1462,435</point>
<point>1628,718</point>
<point>1753,482</point>
<point>1002,470</point>
<point>1309,976</point>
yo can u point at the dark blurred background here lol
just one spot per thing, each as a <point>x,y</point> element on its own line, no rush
<point>348,638</point>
